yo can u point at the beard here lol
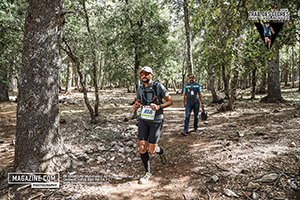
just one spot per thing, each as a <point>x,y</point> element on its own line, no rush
<point>145,80</point>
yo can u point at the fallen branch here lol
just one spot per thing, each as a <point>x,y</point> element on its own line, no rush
<point>23,187</point>
<point>36,196</point>
<point>274,185</point>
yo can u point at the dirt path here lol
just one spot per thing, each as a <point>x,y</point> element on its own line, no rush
<point>252,151</point>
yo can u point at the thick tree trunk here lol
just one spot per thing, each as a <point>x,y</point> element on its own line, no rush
<point>188,37</point>
<point>253,83</point>
<point>4,96</point>
<point>39,146</point>
<point>274,92</point>
<point>69,78</point>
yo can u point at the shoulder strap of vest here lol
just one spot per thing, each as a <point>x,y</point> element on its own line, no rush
<point>155,88</point>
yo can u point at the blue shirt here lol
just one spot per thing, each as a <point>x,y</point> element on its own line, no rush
<point>192,91</point>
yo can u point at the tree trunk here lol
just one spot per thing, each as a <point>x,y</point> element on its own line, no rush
<point>136,69</point>
<point>233,86</point>
<point>69,78</point>
<point>94,60</point>
<point>226,82</point>
<point>293,68</point>
<point>286,74</point>
<point>253,83</point>
<point>101,71</point>
<point>174,85</point>
<point>215,97</point>
<point>188,37</point>
<point>82,80</point>
<point>274,92</point>
<point>183,73</point>
<point>285,70</point>
<point>39,146</point>
<point>4,96</point>
<point>262,84</point>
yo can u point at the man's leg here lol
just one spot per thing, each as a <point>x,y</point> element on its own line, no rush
<point>196,115</point>
<point>188,110</point>
<point>144,155</point>
<point>143,134</point>
<point>154,137</point>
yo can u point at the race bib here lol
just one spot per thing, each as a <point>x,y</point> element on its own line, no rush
<point>192,92</point>
<point>147,113</point>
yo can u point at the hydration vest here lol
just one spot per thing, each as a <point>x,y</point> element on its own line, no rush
<point>156,98</point>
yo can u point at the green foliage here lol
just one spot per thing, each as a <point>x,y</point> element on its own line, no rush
<point>11,33</point>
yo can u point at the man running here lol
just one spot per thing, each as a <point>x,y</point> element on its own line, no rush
<point>150,97</point>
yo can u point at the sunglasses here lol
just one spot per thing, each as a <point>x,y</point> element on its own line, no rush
<point>143,73</point>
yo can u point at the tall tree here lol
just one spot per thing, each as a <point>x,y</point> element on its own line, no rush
<point>188,37</point>
<point>39,145</point>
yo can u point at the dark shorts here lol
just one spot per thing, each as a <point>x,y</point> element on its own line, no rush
<point>149,131</point>
<point>268,36</point>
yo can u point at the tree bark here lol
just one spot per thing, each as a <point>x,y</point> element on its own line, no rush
<point>39,146</point>
<point>274,91</point>
<point>188,37</point>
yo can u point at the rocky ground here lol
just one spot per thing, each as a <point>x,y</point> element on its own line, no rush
<point>249,153</point>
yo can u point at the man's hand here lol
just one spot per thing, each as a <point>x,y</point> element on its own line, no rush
<point>136,106</point>
<point>154,106</point>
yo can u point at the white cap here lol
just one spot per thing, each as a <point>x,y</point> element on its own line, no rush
<point>147,69</point>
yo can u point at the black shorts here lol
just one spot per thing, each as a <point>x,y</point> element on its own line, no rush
<point>268,36</point>
<point>149,131</point>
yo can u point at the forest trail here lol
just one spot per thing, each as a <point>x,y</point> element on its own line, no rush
<point>245,151</point>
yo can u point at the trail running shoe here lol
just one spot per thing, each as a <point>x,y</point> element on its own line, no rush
<point>184,133</point>
<point>163,159</point>
<point>145,178</point>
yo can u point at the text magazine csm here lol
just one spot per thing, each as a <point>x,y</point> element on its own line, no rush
<point>37,180</point>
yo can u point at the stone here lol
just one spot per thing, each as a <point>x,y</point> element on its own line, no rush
<point>268,178</point>
<point>230,193</point>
